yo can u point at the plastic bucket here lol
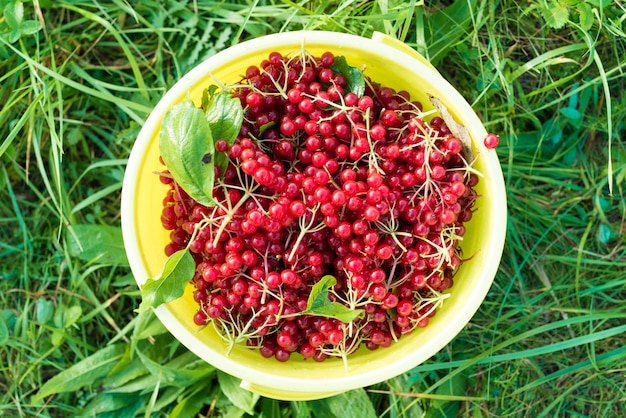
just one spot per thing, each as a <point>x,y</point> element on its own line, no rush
<point>385,60</point>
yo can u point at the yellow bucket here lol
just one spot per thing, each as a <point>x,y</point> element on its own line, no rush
<point>393,64</point>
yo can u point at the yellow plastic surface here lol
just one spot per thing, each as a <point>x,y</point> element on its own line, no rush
<point>297,378</point>
<point>401,46</point>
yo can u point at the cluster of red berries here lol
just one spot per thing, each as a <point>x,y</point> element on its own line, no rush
<point>323,182</point>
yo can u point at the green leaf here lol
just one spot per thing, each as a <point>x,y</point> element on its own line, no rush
<point>44,310</point>
<point>4,331</point>
<point>605,233</point>
<point>570,113</point>
<point>193,369</point>
<point>170,284</point>
<point>143,383</point>
<point>355,81</point>
<point>101,243</point>
<point>444,406</point>
<point>148,325</point>
<point>231,411</point>
<point>319,304</point>
<point>239,397</point>
<point>57,337</point>
<point>265,127</point>
<point>30,27</point>
<point>225,116</point>
<point>585,16</point>
<point>190,405</point>
<point>65,317</point>
<point>14,14</point>
<point>14,36</point>
<point>555,13</point>
<point>84,373</point>
<point>600,3</point>
<point>301,409</point>
<point>399,403</point>
<point>127,369</point>
<point>186,146</point>
<point>270,408</point>
<point>352,404</point>
<point>446,27</point>
<point>123,404</point>
<point>167,398</point>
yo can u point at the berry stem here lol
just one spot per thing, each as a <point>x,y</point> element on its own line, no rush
<point>305,228</point>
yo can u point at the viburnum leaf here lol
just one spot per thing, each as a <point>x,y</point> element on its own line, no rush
<point>225,116</point>
<point>458,130</point>
<point>355,80</point>
<point>186,146</point>
<point>224,113</point>
<point>170,284</point>
<point>319,304</point>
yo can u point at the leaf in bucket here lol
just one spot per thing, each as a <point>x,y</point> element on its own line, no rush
<point>170,284</point>
<point>458,130</point>
<point>225,116</point>
<point>355,81</point>
<point>319,304</point>
<point>186,146</point>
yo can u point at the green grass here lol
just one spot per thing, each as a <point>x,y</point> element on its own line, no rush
<point>77,79</point>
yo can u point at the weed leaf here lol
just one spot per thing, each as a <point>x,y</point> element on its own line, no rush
<point>555,13</point>
<point>148,325</point>
<point>4,331</point>
<point>270,408</point>
<point>190,405</point>
<point>352,404</point>
<point>178,376</point>
<point>186,146</point>
<point>14,14</point>
<point>83,373</point>
<point>44,310</point>
<point>66,316</point>
<point>585,16</point>
<point>570,113</point>
<point>604,234</point>
<point>170,284</point>
<point>446,406</point>
<point>30,27</point>
<point>239,397</point>
<point>101,243</point>
<point>128,368</point>
<point>355,81</point>
<point>120,405</point>
<point>319,304</point>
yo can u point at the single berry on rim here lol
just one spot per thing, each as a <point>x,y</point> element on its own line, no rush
<point>491,141</point>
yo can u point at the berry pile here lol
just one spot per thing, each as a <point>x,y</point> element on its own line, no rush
<point>323,180</point>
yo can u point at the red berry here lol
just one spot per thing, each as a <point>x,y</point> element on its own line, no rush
<point>297,208</point>
<point>254,99</point>
<point>491,141</point>
<point>327,59</point>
